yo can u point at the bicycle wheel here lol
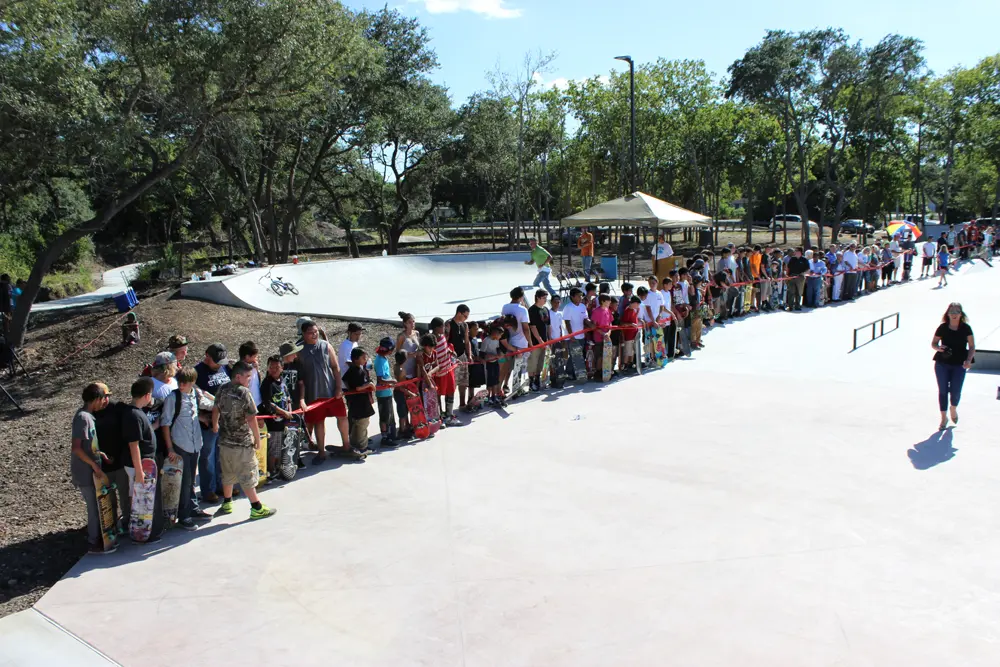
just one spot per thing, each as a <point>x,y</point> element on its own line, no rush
<point>276,288</point>
<point>291,288</point>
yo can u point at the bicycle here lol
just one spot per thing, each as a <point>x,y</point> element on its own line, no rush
<point>278,285</point>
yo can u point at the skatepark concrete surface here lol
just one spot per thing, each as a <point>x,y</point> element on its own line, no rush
<point>113,281</point>
<point>778,500</point>
<point>377,288</point>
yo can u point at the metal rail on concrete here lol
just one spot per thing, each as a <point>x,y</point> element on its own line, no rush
<point>878,330</point>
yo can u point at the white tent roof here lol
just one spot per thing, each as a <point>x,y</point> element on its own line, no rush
<point>637,209</point>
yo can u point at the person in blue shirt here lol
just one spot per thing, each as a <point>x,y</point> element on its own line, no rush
<point>383,374</point>
<point>943,257</point>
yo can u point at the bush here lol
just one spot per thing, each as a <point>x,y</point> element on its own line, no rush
<point>69,283</point>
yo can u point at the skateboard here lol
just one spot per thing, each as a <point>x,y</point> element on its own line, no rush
<point>290,444</point>
<point>576,358</point>
<point>143,500</point>
<point>589,356</point>
<point>747,298</point>
<point>546,363</point>
<point>432,411</point>
<point>557,369</point>
<point>261,454</point>
<point>106,511</point>
<point>418,420</point>
<point>170,487</point>
<point>478,398</point>
<point>519,377</point>
<point>608,361</point>
<point>659,358</point>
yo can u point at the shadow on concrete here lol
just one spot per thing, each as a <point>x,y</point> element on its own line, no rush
<point>932,451</point>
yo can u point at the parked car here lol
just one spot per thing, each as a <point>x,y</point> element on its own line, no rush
<point>855,226</point>
<point>789,221</point>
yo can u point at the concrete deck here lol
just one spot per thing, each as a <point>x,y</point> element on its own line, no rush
<point>776,501</point>
<point>426,285</point>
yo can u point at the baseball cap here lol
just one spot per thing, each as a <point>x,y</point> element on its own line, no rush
<point>164,358</point>
<point>288,347</point>
<point>217,352</point>
<point>301,322</point>
<point>354,327</point>
<point>386,344</point>
<point>176,342</point>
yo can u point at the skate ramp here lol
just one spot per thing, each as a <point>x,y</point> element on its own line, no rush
<point>377,288</point>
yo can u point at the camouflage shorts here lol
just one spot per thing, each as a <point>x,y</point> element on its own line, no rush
<point>239,466</point>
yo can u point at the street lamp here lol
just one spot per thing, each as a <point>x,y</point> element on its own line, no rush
<point>631,76</point>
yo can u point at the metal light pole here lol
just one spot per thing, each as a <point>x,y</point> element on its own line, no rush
<point>631,76</point>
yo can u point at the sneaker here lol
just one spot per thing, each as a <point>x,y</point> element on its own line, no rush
<point>262,513</point>
<point>187,524</point>
<point>225,508</point>
<point>99,550</point>
<point>200,515</point>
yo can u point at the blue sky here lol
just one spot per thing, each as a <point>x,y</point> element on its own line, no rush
<point>472,36</point>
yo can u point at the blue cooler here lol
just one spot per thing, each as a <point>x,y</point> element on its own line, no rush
<point>122,302</point>
<point>609,264</point>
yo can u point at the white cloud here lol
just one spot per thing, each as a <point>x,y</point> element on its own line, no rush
<point>494,9</point>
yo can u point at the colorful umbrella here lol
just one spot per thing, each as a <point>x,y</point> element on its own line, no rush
<point>898,225</point>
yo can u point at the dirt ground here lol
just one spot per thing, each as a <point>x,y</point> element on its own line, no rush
<point>42,517</point>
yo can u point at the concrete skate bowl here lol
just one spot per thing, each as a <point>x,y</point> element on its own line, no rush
<point>375,289</point>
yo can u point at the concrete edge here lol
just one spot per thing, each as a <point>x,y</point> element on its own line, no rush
<point>93,649</point>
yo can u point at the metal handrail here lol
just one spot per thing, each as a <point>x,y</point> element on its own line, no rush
<point>880,324</point>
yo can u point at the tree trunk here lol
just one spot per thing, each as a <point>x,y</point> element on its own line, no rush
<point>54,251</point>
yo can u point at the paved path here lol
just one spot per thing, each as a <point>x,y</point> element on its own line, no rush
<point>113,281</point>
<point>776,501</point>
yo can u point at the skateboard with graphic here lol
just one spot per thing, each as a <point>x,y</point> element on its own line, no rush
<point>478,399</point>
<point>577,360</point>
<point>106,510</point>
<point>546,366</point>
<point>607,361</point>
<point>170,487</point>
<point>557,369</point>
<point>432,408</point>
<point>261,454</point>
<point>418,420</point>
<point>143,501</point>
<point>659,357</point>
<point>519,380</point>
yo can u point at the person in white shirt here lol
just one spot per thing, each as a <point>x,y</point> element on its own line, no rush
<point>575,320</point>
<point>354,331</point>
<point>897,255</point>
<point>661,252</point>
<point>651,302</point>
<point>851,278</point>
<point>519,336</point>
<point>927,252</point>
<point>556,331</point>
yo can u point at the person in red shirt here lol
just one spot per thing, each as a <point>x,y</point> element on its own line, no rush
<point>444,374</point>
<point>630,318</point>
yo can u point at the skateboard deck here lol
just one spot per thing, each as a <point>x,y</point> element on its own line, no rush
<point>106,511</point>
<point>477,400</point>
<point>519,377</point>
<point>608,361</point>
<point>589,357</point>
<point>546,363</point>
<point>418,420</point>
<point>432,411</point>
<point>747,298</point>
<point>143,500</point>
<point>579,365</point>
<point>659,359</point>
<point>261,454</point>
<point>170,487</point>
<point>289,456</point>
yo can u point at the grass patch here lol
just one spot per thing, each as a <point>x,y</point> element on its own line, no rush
<point>79,280</point>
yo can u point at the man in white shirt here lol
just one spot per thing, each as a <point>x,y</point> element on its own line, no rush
<point>354,331</point>
<point>851,278</point>
<point>558,349</point>
<point>661,252</point>
<point>897,255</point>
<point>574,316</point>
<point>519,336</point>
<point>927,251</point>
<point>651,302</point>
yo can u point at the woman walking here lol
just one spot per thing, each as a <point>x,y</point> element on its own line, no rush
<point>955,349</point>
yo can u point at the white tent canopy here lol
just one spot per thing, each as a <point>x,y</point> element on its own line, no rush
<point>637,209</point>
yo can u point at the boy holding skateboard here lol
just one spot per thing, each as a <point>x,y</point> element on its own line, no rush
<point>138,433</point>
<point>234,418</point>
<point>181,433</point>
<point>85,462</point>
<point>359,399</point>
